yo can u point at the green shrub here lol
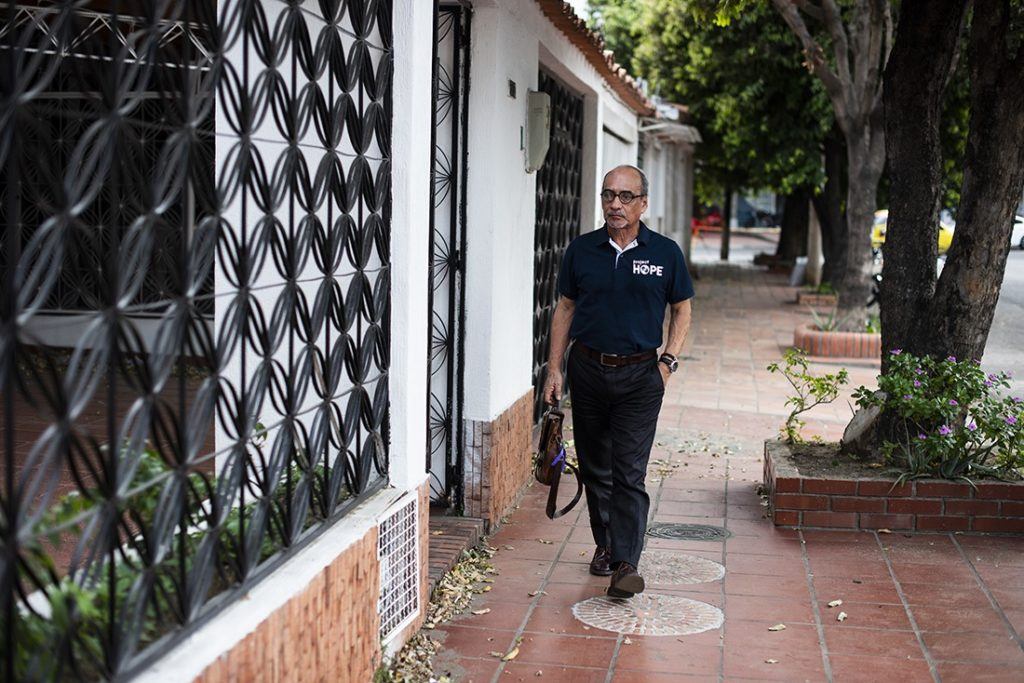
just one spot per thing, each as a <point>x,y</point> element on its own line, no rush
<point>950,419</point>
<point>811,390</point>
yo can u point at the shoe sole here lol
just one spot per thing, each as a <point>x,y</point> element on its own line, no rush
<point>627,586</point>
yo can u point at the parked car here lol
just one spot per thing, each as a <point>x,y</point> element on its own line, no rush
<point>946,229</point>
<point>1017,236</point>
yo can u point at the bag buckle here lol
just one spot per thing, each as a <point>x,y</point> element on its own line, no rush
<point>608,355</point>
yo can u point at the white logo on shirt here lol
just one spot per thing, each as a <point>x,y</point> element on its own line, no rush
<point>645,268</point>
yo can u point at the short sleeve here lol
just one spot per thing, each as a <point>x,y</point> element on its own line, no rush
<point>681,287</point>
<point>567,285</point>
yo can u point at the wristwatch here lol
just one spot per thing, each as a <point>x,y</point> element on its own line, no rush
<point>669,360</point>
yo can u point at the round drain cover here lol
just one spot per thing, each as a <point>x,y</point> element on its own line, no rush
<point>649,614</point>
<point>687,532</point>
<point>667,568</point>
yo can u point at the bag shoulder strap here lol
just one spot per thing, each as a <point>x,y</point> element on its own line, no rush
<point>552,510</point>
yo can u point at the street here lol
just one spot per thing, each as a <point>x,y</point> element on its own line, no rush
<point>1003,351</point>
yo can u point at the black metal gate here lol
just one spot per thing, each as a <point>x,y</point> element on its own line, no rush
<point>558,216</point>
<point>221,170</point>
<point>447,256</point>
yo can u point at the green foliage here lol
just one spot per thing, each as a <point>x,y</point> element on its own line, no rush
<point>762,116</point>
<point>75,616</point>
<point>824,288</point>
<point>951,419</point>
<point>811,390</point>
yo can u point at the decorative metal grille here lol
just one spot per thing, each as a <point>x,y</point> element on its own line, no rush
<point>207,184</point>
<point>399,555</point>
<point>558,216</point>
<point>447,256</point>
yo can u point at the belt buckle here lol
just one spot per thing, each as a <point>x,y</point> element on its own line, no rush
<point>608,355</point>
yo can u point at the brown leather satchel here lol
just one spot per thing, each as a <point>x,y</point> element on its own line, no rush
<point>551,462</point>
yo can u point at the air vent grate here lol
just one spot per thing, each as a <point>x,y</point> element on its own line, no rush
<point>398,552</point>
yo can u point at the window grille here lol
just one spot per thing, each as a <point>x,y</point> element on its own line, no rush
<point>197,195</point>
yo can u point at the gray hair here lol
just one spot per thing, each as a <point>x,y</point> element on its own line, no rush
<point>644,185</point>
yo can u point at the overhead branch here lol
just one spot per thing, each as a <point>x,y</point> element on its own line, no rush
<point>815,60</point>
<point>840,48</point>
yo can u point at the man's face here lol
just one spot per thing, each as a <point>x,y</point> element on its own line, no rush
<point>617,214</point>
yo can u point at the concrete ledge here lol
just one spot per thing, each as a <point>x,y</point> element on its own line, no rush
<point>924,505</point>
<point>815,342</point>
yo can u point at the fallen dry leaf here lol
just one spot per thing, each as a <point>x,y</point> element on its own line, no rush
<point>545,542</point>
<point>437,533</point>
<point>499,655</point>
<point>512,654</point>
<point>841,616</point>
<point>627,641</point>
<point>777,627</point>
<point>884,531</point>
<point>771,661</point>
<point>536,593</point>
<point>508,547</point>
<point>539,673</point>
<point>835,603</point>
<point>478,612</point>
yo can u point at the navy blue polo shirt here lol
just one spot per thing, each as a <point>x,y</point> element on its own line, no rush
<point>620,303</point>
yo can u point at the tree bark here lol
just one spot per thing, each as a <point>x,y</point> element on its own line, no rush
<point>913,88</point>
<point>865,161</point>
<point>829,206</point>
<point>794,225</point>
<point>968,289</point>
<point>723,252</point>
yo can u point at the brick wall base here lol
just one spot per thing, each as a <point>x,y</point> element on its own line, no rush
<point>922,505</point>
<point>329,630</point>
<point>326,632</point>
<point>497,461</point>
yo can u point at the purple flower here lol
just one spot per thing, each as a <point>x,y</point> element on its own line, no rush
<point>988,383</point>
<point>919,371</point>
<point>971,426</point>
<point>992,377</point>
<point>1018,399</point>
<point>922,437</point>
<point>944,430</point>
<point>917,383</point>
<point>907,397</point>
<point>953,402</point>
<point>951,359</point>
<point>896,352</point>
<point>1010,420</point>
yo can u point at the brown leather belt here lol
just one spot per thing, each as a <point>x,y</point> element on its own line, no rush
<point>613,360</point>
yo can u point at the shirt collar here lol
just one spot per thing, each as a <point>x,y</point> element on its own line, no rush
<point>642,237</point>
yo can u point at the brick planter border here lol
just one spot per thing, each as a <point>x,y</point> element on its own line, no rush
<point>816,300</point>
<point>925,505</point>
<point>837,344</point>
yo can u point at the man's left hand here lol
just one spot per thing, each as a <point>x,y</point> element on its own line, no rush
<point>665,373</point>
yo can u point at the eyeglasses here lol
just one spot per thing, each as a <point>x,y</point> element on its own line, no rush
<point>626,197</point>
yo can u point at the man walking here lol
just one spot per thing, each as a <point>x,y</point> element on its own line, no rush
<point>614,285</point>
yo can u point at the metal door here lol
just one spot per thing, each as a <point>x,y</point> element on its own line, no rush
<point>447,256</point>
<point>558,216</point>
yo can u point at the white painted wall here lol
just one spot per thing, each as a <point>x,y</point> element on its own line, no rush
<point>511,40</point>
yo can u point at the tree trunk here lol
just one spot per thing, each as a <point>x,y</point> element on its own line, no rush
<point>726,225</point>
<point>968,289</point>
<point>866,159</point>
<point>795,223</point>
<point>927,36</point>
<point>829,206</point>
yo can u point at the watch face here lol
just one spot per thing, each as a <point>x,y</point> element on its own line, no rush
<point>673,366</point>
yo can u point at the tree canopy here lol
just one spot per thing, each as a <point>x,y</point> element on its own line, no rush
<point>762,116</point>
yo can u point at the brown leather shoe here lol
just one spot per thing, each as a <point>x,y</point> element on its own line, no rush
<point>601,564</point>
<point>626,582</point>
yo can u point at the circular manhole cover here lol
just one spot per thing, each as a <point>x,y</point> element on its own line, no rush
<point>649,614</point>
<point>687,532</point>
<point>667,567</point>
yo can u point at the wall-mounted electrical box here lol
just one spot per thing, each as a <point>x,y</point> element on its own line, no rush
<point>538,129</point>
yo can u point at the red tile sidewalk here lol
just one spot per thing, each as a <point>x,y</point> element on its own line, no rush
<point>946,607</point>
